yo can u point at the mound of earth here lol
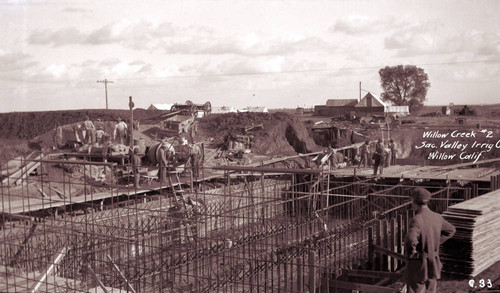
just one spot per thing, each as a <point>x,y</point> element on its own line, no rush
<point>27,125</point>
<point>280,134</point>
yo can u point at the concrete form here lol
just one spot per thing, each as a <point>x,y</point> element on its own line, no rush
<point>236,229</point>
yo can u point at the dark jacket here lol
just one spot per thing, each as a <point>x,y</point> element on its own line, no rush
<point>426,232</point>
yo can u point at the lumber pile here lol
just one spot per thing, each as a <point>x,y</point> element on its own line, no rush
<point>475,245</point>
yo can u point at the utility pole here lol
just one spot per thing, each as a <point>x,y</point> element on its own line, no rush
<point>359,91</point>
<point>105,81</point>
<point>131,128</point>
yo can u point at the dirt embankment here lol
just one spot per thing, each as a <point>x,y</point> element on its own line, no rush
<point>27,125</point>
<point>18,130</point>
<point>281,134</point>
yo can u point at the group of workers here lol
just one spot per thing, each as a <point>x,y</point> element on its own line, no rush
<point>382,156</point>
<point>86,132</point>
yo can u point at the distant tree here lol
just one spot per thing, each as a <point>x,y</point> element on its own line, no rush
<point>404,85</point>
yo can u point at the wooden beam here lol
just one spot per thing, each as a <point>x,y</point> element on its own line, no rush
<point>268,169</point>
<point>388,252</point>
<point>371,274</point>
<point>362,287</point>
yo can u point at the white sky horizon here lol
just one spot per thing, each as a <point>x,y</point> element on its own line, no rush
<point>278,54</point>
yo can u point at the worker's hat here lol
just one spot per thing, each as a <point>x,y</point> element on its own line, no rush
<point>420,195</point>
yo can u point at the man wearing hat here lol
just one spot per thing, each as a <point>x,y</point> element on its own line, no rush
<point>120,133</point>
<point>426,232</point>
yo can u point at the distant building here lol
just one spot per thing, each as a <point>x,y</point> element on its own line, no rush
<point>160,107</point>
<point>398,110</point>
<point>335,107</point>
<point>254,109</point>
<point>223,109</point>
<point>370,104</point>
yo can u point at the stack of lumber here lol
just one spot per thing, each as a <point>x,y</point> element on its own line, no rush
<point>475,245</point>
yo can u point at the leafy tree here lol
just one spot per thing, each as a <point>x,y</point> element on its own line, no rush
<point>404,85</point>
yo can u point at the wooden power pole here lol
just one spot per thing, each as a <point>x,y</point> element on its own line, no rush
<point>105,81</point>
<point>131,128</point>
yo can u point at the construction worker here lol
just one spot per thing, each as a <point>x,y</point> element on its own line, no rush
<point>378,157</point>
<point>120,132</point>
<point>392,147</point>
<point>136,164</point>
<point>165,152</point>
<point>426,232</point>
<point>58,136</point>
<point>77,130</point>
<point>90,129</point>
<point>364,154</point>
<point>196,155</point>
<point>99,135</point>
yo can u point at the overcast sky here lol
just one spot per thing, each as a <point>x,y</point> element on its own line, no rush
<point>279,54</point>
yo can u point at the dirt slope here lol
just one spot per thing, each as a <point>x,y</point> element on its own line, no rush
<point>281,134</point>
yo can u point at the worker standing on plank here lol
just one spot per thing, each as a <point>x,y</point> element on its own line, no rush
<point>165,152</point>
<point>426,232</point>
<point>364,154</point>
<point>378,157</point>
<point>136,164</point>
<point>196,154</point>
<point>90,128</point>
<point>120,133</point>
<point>392,147</point>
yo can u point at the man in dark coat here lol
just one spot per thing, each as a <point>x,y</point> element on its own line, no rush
<point>364,153</point>
<point>426,232</point>
<point>378,157</point>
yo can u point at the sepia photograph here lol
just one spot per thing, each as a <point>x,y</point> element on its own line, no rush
<point>289,146</point>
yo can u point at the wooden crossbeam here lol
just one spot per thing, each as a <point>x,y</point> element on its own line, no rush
<point>371,274</point>
<point>389,252</point>
<point>362,287</point>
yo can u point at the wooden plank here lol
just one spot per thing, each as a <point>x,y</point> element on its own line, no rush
<point>336,284</point>
<point>371,274</point>
<point>389,252</point>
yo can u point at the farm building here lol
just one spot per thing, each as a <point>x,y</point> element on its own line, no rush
<point>370,104</point>
<point>335,107</point>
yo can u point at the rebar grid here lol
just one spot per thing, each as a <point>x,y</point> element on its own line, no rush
<point>258,232</point>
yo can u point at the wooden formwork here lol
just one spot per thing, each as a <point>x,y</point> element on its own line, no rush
<point>273,230</point>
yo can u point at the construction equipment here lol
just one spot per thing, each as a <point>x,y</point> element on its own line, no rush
<point>178,124</point>
<point>193,109</point>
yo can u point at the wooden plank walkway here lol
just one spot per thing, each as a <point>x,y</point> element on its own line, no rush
<point>32,203</point>
<point>481,174</point>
